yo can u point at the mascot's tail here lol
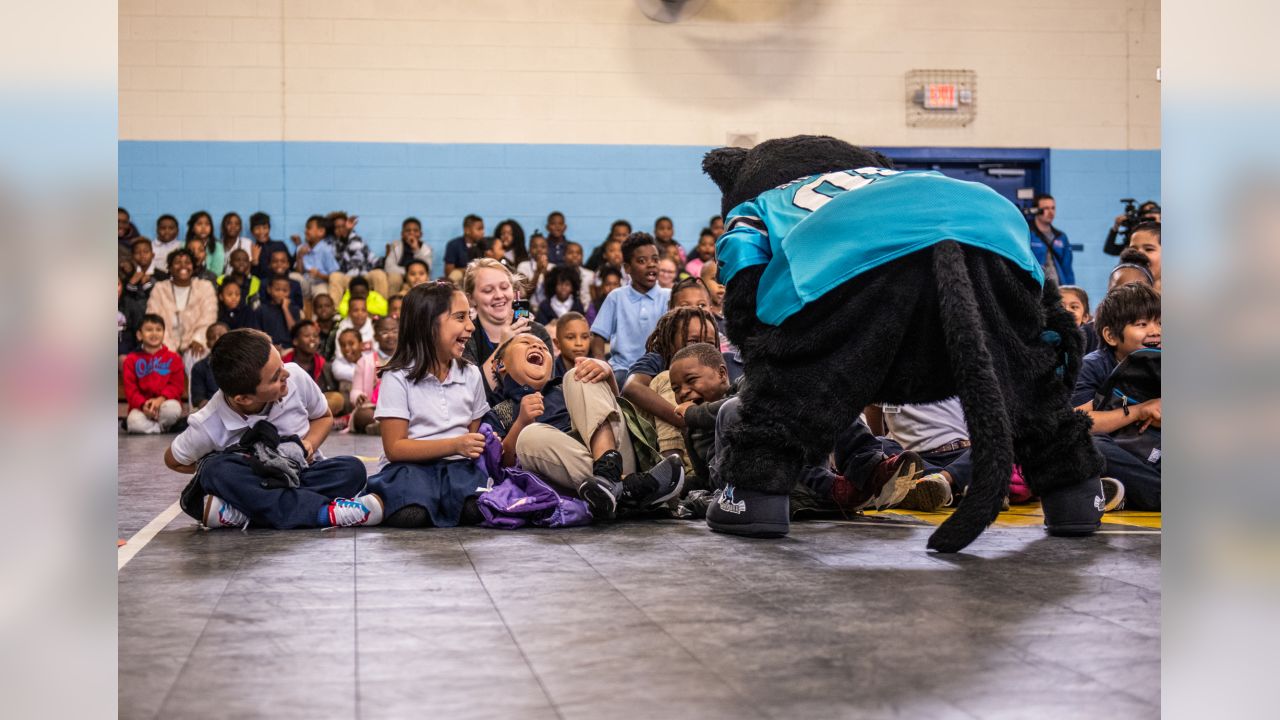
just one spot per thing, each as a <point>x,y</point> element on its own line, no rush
<point>981,397</point>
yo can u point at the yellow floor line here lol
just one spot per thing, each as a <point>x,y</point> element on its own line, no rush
<point>1030,515</point>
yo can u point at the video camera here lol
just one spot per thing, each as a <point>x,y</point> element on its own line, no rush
<point>1134,215</point>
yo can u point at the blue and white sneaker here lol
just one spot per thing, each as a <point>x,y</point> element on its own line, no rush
<point>749,513</point>
<point>364,510</point>
<point>218,514</point>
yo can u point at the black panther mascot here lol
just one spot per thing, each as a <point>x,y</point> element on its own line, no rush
<point>849,283</point>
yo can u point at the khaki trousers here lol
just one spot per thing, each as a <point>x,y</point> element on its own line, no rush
<point>557,457</point>
<point>670,439</point>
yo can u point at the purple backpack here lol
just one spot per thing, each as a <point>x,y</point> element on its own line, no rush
<point>519,497</point>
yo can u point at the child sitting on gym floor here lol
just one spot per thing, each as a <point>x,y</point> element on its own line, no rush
<point>573,339</point>
<point>358,319</point>
<point>203,386</point>
<point>430,404</point>
<point>648,386</point>
<point>277,316</point>
<point>536,412</point>
<point>1128,320</point>
<point>1076,301</point>
<point>233,313</point>
<point>153,381</point>
<point>255,385</point>
<point>306,354</point>
<point>365,382</point>
<point>700,383</point>
<point>628,315</point>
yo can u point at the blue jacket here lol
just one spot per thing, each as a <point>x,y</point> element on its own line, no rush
<point>1061,253</point>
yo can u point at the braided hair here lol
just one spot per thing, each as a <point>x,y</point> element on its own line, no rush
<point>668,335</point>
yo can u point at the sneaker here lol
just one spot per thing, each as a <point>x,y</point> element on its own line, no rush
<point>749,513</point>
<point>602,489</point>
<point>694,505</point>
<point>598,494</point>
<point>662,482</point>
<point>928,494</point>
<point>888,485</point>
<point>217,513</point>
<point>364,510</point>
<point>1112,495</point>
<point>1074,510</point>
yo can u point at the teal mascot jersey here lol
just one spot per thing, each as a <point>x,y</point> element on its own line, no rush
<point>848,283</point>
<point>878,215</point>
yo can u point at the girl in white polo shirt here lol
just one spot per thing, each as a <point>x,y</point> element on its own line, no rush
<point>430,403</point>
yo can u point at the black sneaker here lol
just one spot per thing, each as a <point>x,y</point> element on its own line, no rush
<point>1074,510</point>
<point>655,486</point>
<point>597,493</point>
<point>602,489</point>
<point>749,513</point>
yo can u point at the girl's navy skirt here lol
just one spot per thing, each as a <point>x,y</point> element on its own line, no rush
<point>440,487</point>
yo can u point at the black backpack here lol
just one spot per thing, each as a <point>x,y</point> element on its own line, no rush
<point>1135,380</point>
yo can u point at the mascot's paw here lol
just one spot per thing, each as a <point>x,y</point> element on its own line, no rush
<point>1074,510</point>
<point>749,513</point>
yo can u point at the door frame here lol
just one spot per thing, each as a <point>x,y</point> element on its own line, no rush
<point>972,155</point>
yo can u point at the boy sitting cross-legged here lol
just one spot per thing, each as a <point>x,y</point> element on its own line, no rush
<point>153,381</point>
<point>254,385</point>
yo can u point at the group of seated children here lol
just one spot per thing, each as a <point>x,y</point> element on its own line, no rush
<point>640,432</point>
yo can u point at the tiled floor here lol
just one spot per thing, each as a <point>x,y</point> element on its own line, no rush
<point>643,620</point>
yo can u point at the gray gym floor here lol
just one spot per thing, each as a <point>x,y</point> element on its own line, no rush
<point>658,619</point>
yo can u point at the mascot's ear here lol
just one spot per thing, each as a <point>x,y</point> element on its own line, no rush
<point>722,166</point>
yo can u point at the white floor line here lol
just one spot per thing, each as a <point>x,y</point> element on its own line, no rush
<point>143,536</point>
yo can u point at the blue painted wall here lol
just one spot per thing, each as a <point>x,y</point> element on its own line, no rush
<point>591,184</point>
<point>1087,186</point>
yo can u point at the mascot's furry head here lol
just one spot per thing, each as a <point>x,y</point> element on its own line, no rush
<point>743,174</point>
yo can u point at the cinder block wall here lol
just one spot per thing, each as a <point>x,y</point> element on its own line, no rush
<point>388,108</point>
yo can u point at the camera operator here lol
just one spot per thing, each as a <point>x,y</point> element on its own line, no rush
<point>1048,243</point>
<point>1118,236</point>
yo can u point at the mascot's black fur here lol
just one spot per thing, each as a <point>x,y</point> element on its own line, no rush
<point>949,320</point>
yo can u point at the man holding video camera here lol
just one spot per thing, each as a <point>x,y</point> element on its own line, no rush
<point>1118,236</point>
<point>1050,245</point>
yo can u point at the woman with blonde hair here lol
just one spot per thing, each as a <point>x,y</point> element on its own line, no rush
<point>492,289</point>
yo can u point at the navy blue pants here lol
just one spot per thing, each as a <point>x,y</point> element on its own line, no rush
<point>1141,479</point>
<point>230,477</point>
<point>858,451</point>
<point>440,487</point>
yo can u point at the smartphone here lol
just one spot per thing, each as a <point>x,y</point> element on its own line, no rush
<point>520,308</point>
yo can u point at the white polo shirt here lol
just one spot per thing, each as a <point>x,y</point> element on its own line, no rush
<point>435,410</point>
<point>216,426</point>
<point>925,427</point>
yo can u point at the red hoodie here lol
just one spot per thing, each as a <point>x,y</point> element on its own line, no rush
<point>148,375</point>
<point>319,364</point>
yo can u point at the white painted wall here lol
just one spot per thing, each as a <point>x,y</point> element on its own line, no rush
<point>1055,73</point>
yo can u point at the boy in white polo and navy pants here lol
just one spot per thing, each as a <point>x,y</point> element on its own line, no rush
<point>254,385</point>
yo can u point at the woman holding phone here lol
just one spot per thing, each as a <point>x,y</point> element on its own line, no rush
<point>493,292</point>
